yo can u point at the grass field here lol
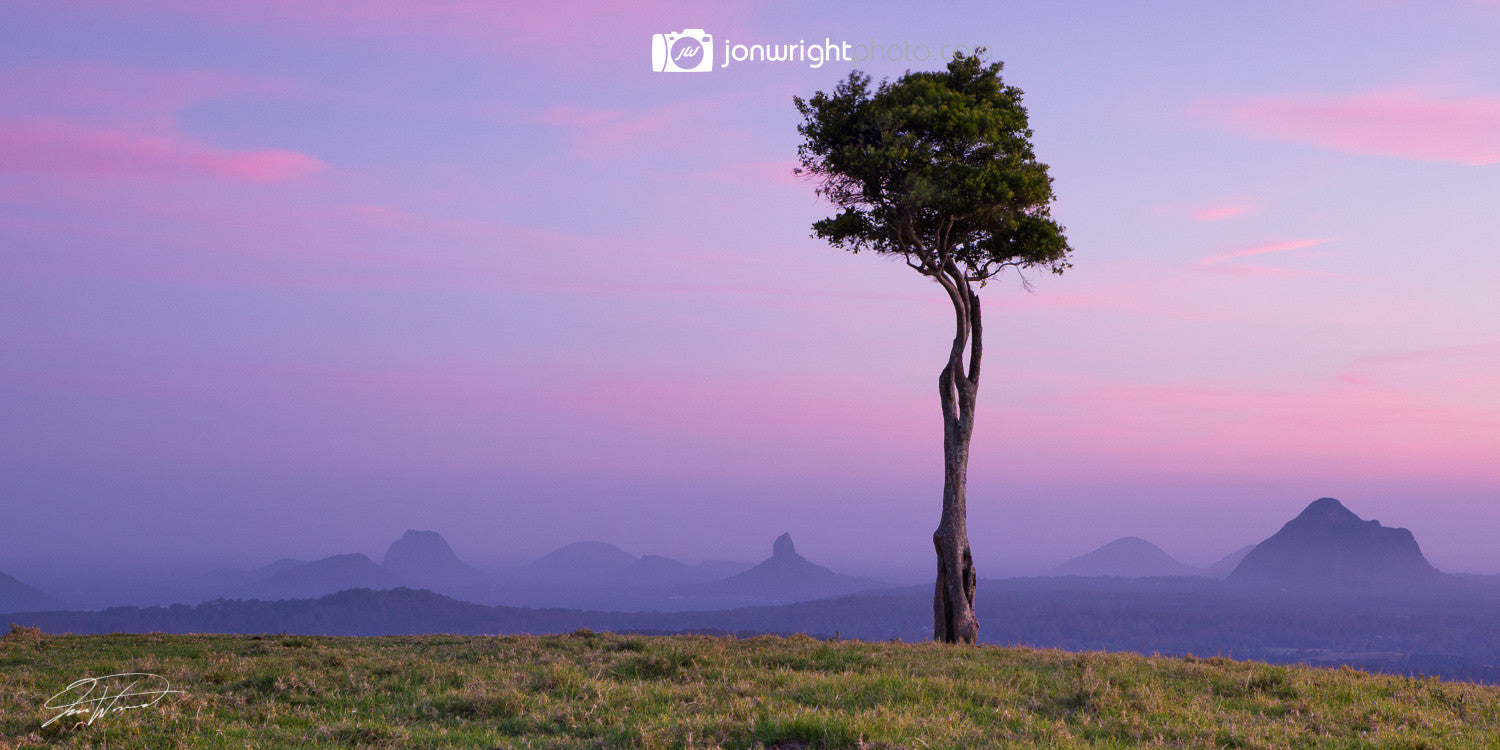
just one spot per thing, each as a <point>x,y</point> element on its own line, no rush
<point>586,690</point>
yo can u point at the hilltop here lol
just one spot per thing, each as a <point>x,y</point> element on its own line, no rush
<point>785,576</point>
<point>1127,557</point>
<point>1328,550</point>
<point>586,690</point>
<point>426,556</point>
<point>320,577</point>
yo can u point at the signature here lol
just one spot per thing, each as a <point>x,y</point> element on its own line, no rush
<point>128,686</point>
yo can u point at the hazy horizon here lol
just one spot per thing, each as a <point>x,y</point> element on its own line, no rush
<point>897,566</point>
<point>288,279</point>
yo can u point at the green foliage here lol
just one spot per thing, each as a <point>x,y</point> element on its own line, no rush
<point>936,167</point>
<point>590,690</point>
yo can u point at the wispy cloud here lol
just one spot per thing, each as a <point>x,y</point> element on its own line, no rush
<point>63,148</point>
<point>1225,261</point>
<point>90,120</point>
<point>1220,212</point>
<point>1207,212</point>
<point>1406,123</point>
<point>1266,248</point>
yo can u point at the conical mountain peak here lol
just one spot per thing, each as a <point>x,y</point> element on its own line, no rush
<point>788,576</point>
<point>1329,548</point>
<point>1127,557</point>
<point>784,547</point>
<point>1326,510</point>
<point>424,555</point>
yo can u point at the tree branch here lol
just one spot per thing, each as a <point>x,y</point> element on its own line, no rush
<point>948,379</point>
<point>976,346</point>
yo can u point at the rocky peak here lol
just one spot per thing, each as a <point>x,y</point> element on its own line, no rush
<point>1326,510</point>
<point>783,547</point>
<point>423,553</point>
<point>1328,547</point>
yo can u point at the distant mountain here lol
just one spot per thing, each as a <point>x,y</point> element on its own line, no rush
<point>722,568</point>
<point>599,576</point>
<point>786,577</point>
<point>18,597</point>
<point>1228,563</point>
<point>656,570</point>
<point>426,556</point>
<point>1130,557</point>
<point>321,577</point>
<point>1329,549</point>
<point>583,559</point>
<point>236,576</point>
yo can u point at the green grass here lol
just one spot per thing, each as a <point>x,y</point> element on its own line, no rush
<point>587,690</point>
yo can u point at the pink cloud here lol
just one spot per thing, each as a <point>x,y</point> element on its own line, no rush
<point>1220,213</point>
<point>1268,247</point>
<point>1405,123</point>
<point>1273,272</point>
<point>64,148</point>
<point>104,120</point>
<point>1220,261</point>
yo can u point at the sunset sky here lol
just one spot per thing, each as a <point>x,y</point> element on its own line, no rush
<point>288,278</point>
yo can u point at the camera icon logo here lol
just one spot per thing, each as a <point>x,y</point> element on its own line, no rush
<point>691,51</point>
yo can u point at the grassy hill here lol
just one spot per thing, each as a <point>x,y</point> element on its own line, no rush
<point>602,690</point>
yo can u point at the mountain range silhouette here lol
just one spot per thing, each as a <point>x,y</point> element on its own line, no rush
<point>1326,551</point>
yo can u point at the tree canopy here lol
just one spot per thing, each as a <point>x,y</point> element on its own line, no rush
<point>937,167</point>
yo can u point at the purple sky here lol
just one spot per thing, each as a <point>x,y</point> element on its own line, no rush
<point>288,278</point>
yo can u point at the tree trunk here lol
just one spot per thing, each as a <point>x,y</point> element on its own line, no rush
<point>953,597</point>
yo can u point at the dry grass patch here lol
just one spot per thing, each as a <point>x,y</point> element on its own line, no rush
<point>589,690</point>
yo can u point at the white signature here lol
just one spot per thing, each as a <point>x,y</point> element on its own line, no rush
<point>84,701</point>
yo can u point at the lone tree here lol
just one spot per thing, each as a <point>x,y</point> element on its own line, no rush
<point>937,169</point>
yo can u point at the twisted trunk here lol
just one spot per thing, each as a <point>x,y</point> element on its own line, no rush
<point>953,598</point>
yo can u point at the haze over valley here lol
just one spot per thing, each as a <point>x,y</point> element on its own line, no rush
<point>1323,589</point>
